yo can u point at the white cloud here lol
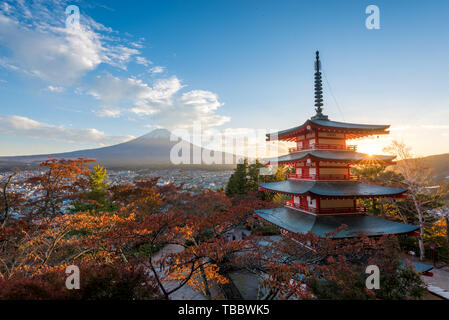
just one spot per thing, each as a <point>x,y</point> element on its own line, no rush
<point>143,61</point>
<point>55,89</point>
<point>38,44</point>
<point>162,103</point>
<point>108,112</point>
<point>120,95</point>
<point>41,45</point>
<point>5,63</point>
<point>201,100</point>
<point>22,126</point>
<point>5,7</point>
<point>137,45</point>
<point>157,69</point>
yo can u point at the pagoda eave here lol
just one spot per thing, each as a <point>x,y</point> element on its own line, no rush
<point>337,189</point>
<point>334,156</point>
<point>348,134</point>
<point>395,196</point>
<point>321,225</point>
<point>351,130</point>
<point>347,162</point>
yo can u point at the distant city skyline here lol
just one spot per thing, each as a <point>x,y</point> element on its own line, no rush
<point>234,66</point>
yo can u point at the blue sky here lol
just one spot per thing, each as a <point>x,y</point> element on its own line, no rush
<point>234,65</point>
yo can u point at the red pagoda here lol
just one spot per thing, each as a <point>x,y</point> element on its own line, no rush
<point>323,195</point>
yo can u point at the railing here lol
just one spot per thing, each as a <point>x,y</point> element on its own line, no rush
<point>323,177</point>
<point>343,210</point>
<point>325,147</point>
<point>291,204</point>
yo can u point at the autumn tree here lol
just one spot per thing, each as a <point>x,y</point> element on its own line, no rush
<point>141,195</point>
<point>10,200</point>
<point>179,231</point>
<point>99,282</point>
<point>304,266</point>
<point>47,240</point>
<point>204,251</point>
<point>417,178</point>
<point>60,181</point>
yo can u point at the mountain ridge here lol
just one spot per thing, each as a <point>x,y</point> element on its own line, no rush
<point>150,150</point>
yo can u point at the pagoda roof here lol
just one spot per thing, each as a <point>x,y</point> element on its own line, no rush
<point>298,222</point>
<point>422,267</point>
<point>347,125</point>
<point>331,188</point>
<point>343,155</point>
<point>353,130</point>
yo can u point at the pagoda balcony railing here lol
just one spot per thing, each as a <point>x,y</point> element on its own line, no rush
<point>325,147</point>
<point>323,177</point>
<point>293,205</point>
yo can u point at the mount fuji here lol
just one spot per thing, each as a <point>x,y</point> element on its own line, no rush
<point>151,150</point>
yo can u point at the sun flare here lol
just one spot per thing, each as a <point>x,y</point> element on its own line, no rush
<point>371,146</point>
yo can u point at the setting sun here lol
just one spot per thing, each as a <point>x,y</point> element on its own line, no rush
<point>370,146</point>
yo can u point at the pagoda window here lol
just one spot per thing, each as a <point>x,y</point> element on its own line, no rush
<point>299,144</point>
<point>312,142</point>
<point>312,171</point>
<point>311,202</point>
<point>296,199</point>
<point>298,171</point>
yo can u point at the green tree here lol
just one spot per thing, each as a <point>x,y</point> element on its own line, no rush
<point>97,180</point>
<point>253,175</point>
<point>280,174</point>
<point>246,177</point>
<point>237,183</point>
<point>96,199</point>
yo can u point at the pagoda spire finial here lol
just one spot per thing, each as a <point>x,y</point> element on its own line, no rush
<point>318,91</point>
